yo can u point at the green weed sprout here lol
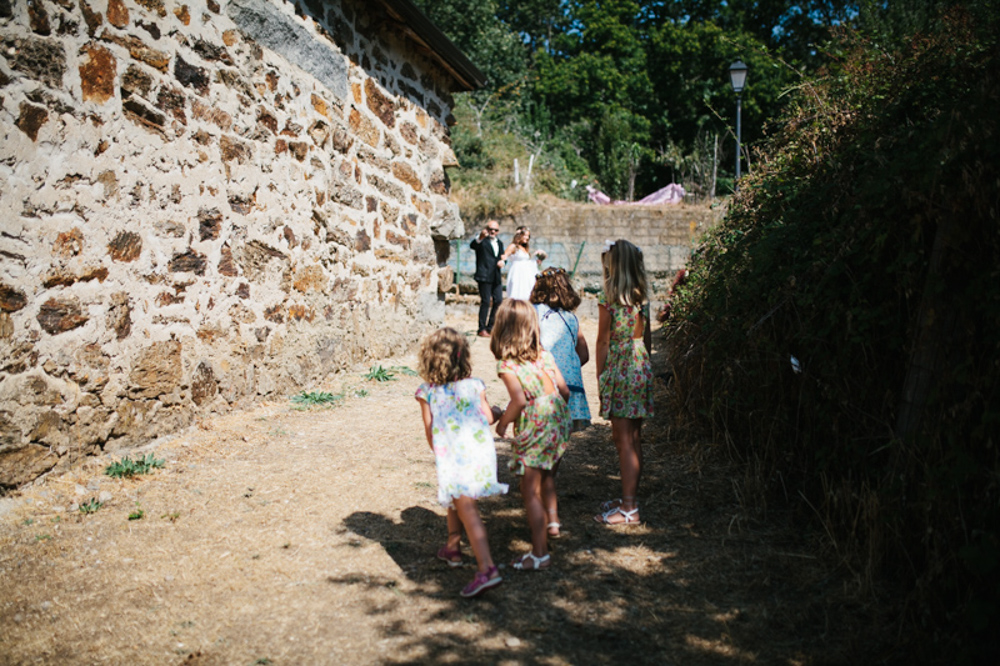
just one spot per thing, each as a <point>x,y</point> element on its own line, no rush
<point>126,467</point>
<point>91,506</point>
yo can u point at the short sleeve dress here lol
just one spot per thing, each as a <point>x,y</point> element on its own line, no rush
<point>560,330</point>
<point>541,434</point>
<point>464,451</point>
<point>626,386</point>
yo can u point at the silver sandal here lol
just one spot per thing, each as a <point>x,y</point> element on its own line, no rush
<point>630,517</point>
<point>537,563</point>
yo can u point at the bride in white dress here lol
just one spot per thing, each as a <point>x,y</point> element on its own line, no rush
<point>522,267</point>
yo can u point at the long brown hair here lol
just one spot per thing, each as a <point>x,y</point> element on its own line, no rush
<point>521,235</point>
<point>444,357</point>
<point>516,335</point>
<point>624,274</point>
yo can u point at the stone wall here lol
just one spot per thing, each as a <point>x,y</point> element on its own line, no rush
<point>202,204</point>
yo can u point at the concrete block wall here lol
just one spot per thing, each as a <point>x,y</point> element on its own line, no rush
<point>574,235</point>
<point>202,204</point>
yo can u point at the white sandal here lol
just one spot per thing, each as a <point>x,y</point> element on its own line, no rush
<point>537,563</point>
<point>630,517</point>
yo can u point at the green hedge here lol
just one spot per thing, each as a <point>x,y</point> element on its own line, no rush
<point>866,245</point>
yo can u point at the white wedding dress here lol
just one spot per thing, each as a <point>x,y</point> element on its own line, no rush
<point>521,270</point>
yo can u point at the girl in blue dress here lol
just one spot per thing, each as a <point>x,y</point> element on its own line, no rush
<point>457,421</point>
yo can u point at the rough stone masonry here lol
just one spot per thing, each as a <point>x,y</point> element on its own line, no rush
<point>205,203</point>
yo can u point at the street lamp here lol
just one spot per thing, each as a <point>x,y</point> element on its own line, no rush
<point>738,79</point>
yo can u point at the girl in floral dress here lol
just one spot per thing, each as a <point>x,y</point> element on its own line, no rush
<point>457,421</point>
<point>538,409</point>
<point>624,373</point>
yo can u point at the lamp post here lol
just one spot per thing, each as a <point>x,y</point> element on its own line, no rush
<point>738,79</point>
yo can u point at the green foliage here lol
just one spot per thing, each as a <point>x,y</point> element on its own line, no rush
<point>127,467</point>
<point>138,514</point>
<point>623,94</point>
<point>316,398</point>
<point>379,374</point>
<point>865,246</point>
<point>91,506</point>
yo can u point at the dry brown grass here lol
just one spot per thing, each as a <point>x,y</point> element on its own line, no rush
<point>307,537</point>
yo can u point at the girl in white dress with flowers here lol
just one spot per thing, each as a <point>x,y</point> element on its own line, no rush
<point>457,421</point>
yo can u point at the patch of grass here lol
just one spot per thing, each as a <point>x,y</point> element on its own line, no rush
<point>404,370</point>
<point>316,398</point>
<point>91,506</point>
<point>361,393</point>
<point>29,521</point>
<point>172,517</point>
<point>263,661</point>
<point>380,374</point>
<point>127,467</point>
<point>138,514</point>
<point>42,537</point>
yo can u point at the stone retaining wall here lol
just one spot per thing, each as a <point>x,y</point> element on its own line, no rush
<point>573,235</point>
<point>203,204</point>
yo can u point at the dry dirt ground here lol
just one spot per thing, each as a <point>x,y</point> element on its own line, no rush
<point>290,536</point>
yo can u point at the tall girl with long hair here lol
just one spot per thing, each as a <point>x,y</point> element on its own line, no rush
<point>624,372</point>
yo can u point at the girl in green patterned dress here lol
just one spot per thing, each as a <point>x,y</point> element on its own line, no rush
<point>538,408</point>
<point>624,373</point>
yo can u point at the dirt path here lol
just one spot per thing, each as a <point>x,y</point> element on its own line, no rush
<point>279,536</point>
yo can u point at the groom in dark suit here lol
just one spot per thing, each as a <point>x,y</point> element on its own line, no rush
<point>488,250</point>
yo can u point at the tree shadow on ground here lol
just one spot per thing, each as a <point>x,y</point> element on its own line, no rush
<point>698,582</point>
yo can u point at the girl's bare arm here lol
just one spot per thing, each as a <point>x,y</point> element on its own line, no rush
<point>603,337</point>
<point>647,334</point>
<point>491,413</point>
<point>516,404</point>
<point>582,350</point>
<point>561,383</point>
<point>425,412</point>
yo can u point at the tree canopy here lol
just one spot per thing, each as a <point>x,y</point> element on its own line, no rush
<point>632,94</point>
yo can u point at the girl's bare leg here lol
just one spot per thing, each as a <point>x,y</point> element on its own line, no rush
<point>468,513</point>
<point>454,530</point>
<point>550,500</point>
<point>531,493</point>
<point>626,434</point>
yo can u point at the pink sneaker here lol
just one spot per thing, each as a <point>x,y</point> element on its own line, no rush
<point>482,582</point>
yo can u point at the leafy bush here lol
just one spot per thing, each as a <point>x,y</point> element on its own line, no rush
<point>865,245</point>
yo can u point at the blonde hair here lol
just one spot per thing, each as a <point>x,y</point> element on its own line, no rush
<point>516,335</point>
<point>624,274</point>
<point>444,357</point>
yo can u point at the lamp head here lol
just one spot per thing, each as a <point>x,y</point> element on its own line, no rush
<point>738,76</point>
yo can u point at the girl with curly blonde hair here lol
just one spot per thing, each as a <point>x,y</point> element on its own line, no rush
<point>457,421</point>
